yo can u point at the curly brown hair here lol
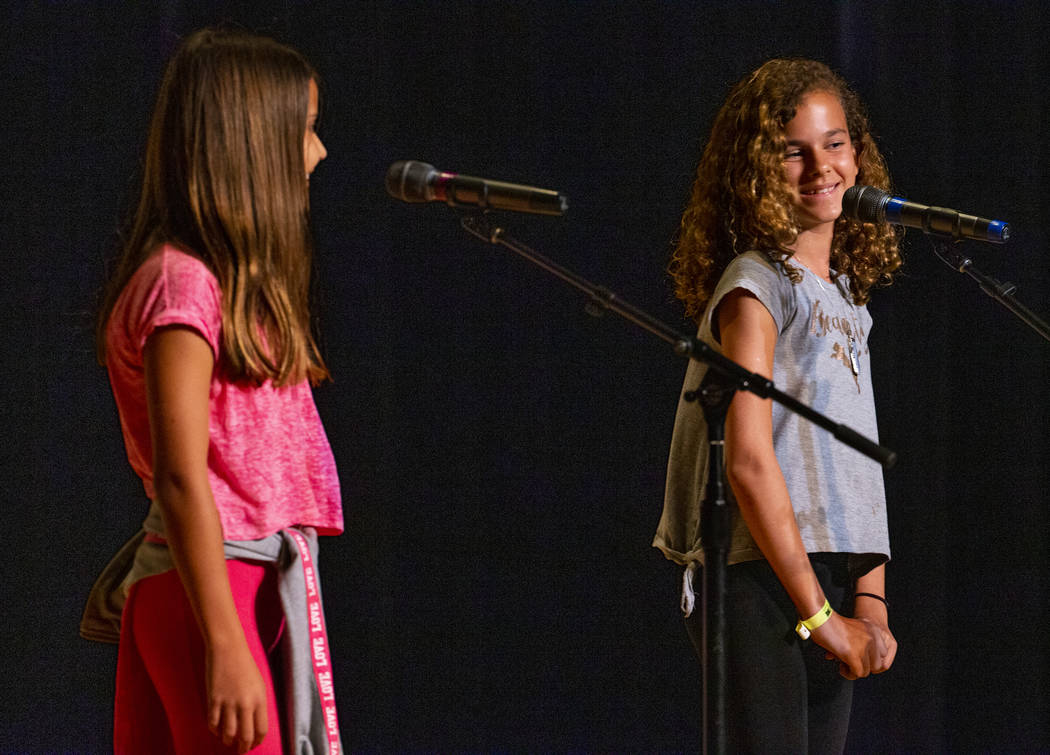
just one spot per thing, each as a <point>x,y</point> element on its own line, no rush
<point>740,200</point>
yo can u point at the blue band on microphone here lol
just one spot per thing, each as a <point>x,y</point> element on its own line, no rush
<point>892,209</point>
<point>998,231</point>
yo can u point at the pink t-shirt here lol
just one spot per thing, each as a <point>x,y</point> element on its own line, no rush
<point>269,461</point>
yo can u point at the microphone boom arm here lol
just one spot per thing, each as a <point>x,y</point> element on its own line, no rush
<point>949,253</point>
<point>601,299</point>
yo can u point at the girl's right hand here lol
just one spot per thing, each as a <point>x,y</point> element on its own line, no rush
<point>236,697</point>
<point>856,643</point>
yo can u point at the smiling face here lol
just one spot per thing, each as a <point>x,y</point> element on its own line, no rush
<point>820,161</point>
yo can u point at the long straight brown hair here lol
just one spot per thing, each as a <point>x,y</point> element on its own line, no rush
<point>224,180</point>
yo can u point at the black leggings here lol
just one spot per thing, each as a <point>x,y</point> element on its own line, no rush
<point>783,695</point>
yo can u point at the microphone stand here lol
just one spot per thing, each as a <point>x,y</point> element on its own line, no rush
<point>953,257</point>
<point>724,377</point>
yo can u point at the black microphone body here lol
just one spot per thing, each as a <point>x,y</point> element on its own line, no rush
<point>870,205</point>
<point>413,181</point>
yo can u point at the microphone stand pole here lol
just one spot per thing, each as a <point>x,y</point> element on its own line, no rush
<point>1001,292</point>
<point>724,378</point>
<point>714,395</point>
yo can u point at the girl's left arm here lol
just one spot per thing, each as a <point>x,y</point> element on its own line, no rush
<point>178,365</point>
<point>875,612</point>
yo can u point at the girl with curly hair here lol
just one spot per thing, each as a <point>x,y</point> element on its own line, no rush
<point>778,282</point>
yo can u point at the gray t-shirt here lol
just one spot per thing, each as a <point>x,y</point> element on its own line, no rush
<point>821,358</point>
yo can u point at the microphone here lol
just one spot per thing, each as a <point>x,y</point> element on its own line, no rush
<point>413,181</point>
<point>870,205</point>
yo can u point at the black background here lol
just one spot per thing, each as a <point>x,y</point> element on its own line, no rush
<point>501,453</point>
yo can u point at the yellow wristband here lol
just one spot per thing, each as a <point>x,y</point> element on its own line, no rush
<point>806,626</point>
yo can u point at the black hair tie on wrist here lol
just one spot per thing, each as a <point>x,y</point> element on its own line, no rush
<point>872,595</point>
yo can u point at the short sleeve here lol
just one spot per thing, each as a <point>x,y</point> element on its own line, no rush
<point>174,288</point>
<point>755,273</point>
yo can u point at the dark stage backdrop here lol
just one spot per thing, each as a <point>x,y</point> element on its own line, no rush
<point>501,453</point>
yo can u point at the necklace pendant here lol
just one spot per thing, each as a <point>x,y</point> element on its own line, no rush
<point>854,354</point>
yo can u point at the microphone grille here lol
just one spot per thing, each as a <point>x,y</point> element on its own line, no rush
<point>409,181</point>
<point>865,203</point>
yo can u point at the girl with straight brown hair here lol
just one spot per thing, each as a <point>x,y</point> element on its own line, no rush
<point>206,333</point>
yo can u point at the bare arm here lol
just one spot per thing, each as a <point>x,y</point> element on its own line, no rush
<point>178,366</point>
<point>874,611</point>
<point>749,337</point>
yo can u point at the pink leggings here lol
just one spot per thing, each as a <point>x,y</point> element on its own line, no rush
<point>160,698</point>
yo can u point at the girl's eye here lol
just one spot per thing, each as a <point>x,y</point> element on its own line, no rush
<point>793,154</point>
